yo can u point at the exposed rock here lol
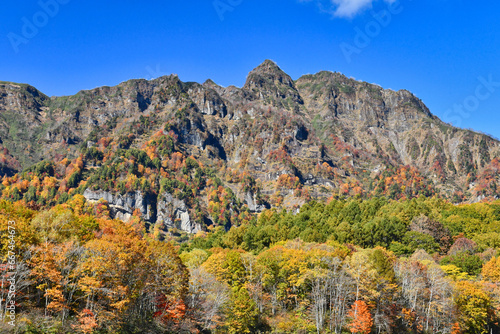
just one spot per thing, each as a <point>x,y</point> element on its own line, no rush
<point>172,212</point>
<point>122,206</point>
<point>252,203</point>
<point>301,133</point>
<point>207,100</point>
<point>269,83</point>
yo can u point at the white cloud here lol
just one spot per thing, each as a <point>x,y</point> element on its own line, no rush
<point>345,8</point>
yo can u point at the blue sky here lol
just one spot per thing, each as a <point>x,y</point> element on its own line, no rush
<point>444,51</point>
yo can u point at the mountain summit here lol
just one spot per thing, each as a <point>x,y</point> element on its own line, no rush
<point>269,83</point>
<point>268,72</point>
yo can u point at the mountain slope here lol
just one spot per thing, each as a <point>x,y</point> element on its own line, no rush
<point>273,142</point>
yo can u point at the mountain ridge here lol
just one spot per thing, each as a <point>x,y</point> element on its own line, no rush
<point>275,142</point>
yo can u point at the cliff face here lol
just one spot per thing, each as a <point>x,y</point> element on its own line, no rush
<point>396,125</point>
<point>22,120</point>
<point>123,206</point>
<point>168,212</point>
<point>324,133</point>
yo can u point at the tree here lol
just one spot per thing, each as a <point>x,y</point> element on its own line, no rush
<point>318,296</point>
<point>281,274</point>
<point>474,307</point>
<point>30,195</point>
<point>433,228</point>
<point>415,240</point>
<point>46,271</point>
<point>462,245</point>
<point>87,321</point>
<point>243,314</point>
<point>125,279</point>
<point>164,285</point>
<point>470,264</point>
<point>426,294</point>
<point>340,289</point>
<point>363,273</point>
<point>227,266</point>
<point>383,262</point>
<point>491,270</point>
<point>208,298</point>
<point>362,321</point>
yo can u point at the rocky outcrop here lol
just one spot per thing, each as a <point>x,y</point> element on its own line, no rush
<point>173,212</point>
<point>122,206</point>
<point>207,100</point>
<point>169,212</point>
<point>251,202</point>
<point>21,98</point>
<point>270,84</point>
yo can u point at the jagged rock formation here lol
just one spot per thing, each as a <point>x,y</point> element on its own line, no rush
<point>173,212</point>
<point>123,206</point>
<point>168,212</point>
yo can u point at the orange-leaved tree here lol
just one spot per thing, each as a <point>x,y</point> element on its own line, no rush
<point>362,320</point>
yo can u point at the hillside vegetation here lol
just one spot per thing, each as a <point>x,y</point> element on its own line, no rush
<point>317,205</point>
<point>359,266</point>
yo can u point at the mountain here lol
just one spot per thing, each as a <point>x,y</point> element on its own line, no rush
<point>275,142</point>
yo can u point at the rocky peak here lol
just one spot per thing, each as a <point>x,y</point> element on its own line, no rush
<point>269,70</point>
<point>167,80</point>
<point>14,96</point>
<point>207,100</point>
<point>334,94</point>
<point>209,83</point>
<point>268,82</point>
